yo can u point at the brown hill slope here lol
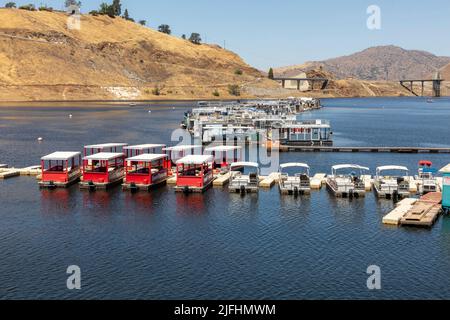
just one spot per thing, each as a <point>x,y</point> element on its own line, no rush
<point>379,63</point>
<point>108,59</point>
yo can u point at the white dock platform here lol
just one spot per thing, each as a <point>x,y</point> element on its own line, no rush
<point>318,181</point>
<point>172,181</point>
<point>222,180</point>
<point>269,182</point>
<point>9,174</point>
<point>30,171</point>
<point>402,208</point>
<point>368,182</point>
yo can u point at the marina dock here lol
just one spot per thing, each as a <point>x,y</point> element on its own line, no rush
<point>6,173</point>
<point>222,180</point>
<point>424,212</point>
<point>285,148</point>
<point>270,181</point>
<point>421,212</point>
<point>318,181</point>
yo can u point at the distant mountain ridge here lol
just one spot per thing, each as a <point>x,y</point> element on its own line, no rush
<point>389,63</point>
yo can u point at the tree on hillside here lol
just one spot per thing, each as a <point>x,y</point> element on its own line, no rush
<point>195,38</point>
<point>107,9</point>
<point>270,74</point>
<point>143,22</point>
<point>117,7</point>
<point>69,3</point>
<point>11,5</point>
<point>165,28</point>
<point>126,15</point>
<point>183,37</point>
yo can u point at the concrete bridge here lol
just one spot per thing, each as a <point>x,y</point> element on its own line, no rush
<point>323,82</point>
<point>409,85</point>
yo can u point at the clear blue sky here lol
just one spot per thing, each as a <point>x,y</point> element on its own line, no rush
<point>285,32</point>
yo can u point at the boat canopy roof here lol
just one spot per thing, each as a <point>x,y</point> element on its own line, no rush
<point>182,148</point>
<point>147,157</point>
<point>294,165</point>
<point>141,147</point>
<point>445,169</point>
<point>386,168</point>
<point>222,148</point>
<point>244,164</point>
<point>61,156</point>
<point>348,166</point>
<point>104,156</point>
<point>106,145</point>
<point>195,159</point>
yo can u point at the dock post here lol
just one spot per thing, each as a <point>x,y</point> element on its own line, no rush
<point>298,85</point>
<point>423,84</point>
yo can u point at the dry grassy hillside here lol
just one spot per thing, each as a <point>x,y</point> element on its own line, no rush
<point>115,59</point>
<point>40,58</point>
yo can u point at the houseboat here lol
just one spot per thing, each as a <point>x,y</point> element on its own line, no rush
<point>194,173</point>
<point>178,152</point>
<point>426,178</point>
<point>244,183</point>
<point>297,184</point>
<point>60,169</point>
<point>105,147</point>
<point>392,186</point>
<point>102,170</point>
<point>144,172</point>
<point>221,155</point>
<point>131,151</point>
<point>306,133</point>
<point>344,184</point>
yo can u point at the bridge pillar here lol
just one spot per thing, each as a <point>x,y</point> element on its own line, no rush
<point>437,88</point>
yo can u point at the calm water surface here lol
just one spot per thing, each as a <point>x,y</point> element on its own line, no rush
<point>161,245</point>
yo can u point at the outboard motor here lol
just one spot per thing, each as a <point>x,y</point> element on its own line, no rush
<point>133,187</point>
<point>296,192</point>
<point>242,190</point>
<point>91,186</point>
<point>395,196</point>
<point>186,190</point>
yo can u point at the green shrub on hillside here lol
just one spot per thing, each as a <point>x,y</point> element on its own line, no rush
<point>234,90</point>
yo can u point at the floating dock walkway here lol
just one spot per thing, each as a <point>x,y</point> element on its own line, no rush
<point>6,173</point>
<point>421,212</point>
<point>285,148</point>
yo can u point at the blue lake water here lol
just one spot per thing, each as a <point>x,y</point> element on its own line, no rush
<point>161,245</point>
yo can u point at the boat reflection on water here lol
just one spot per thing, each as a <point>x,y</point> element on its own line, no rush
<point>141,202</point>
<point>295,205</point>
<point>347,210</point>
<point>57,201</point>
<point>192,204</point>
<point>99,202</point>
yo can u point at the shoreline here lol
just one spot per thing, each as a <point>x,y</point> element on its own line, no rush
<point>109,102</point>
